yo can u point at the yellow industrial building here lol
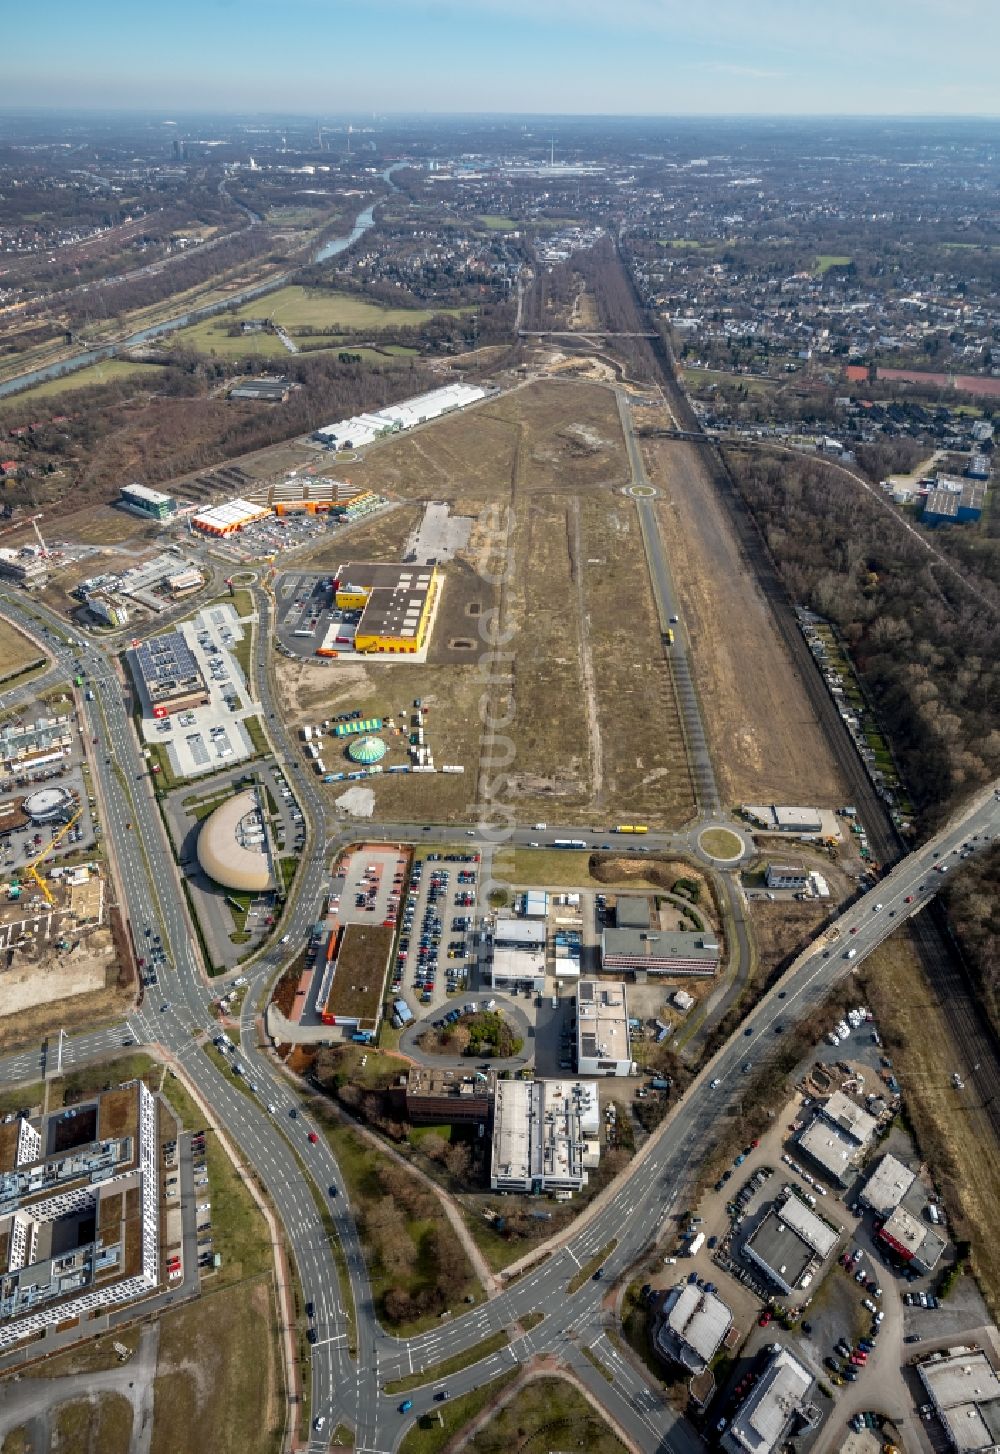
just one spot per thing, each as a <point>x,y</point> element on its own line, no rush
<point>396,603</point>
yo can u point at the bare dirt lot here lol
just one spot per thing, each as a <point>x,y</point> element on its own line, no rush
<point>765,741</point>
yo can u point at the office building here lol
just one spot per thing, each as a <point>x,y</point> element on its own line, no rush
<point>152,504</point>
<point>545,1135</point>
<point>602,1033</point>
<point>659,951</point>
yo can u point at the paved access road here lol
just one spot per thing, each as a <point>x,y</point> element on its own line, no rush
<point>298,1175</point>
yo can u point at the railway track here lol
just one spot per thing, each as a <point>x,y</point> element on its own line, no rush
<point>947,974</point>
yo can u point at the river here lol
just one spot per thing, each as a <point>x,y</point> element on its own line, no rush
<point>362,223</point>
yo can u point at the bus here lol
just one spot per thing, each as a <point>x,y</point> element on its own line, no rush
<point>568,843</point>
<point>631,828</point>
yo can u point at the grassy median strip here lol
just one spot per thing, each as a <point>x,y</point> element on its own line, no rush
<point>592,1357</point>
<point>589,1268</point>
<point>465,1359</point>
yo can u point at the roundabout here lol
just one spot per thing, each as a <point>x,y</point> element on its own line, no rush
<point>721,845</point>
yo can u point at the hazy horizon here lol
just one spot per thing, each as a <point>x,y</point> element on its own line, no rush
<point>794,59</point>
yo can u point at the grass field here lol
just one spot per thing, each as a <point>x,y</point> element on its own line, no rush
<point>108,371</point>
<point>493,222</point>
<point>217,1381</point>
<point>104,1424</point>
<point>295,308</point>
<point>954,1135</point>
<point>749,382</point>
<point>17,653</point>
<point>828,260</point>
<point>545,1414</point>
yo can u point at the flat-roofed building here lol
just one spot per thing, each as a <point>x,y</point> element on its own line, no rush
<point>511,968</point>
<point>152,504</point>
<point>914,1241</point>
<point>602,1034</point>
<point>107,609</point>
<point>963,1386</point>
<point>353,982</point>
<point>79,1212</point>
<point>519,934</point>
<point>545,1135</point>
<point>265,390</point>
<point>448,1097</point>
<point>786,876</point>
<point>777,1402</point>
<point>838,1136</point>
<point>887,1185</point>
<point>692,1326</point>
<point>660,951</point>
<point>791,1243</point>
<point>228,518</point>
<point>396,602</point>
<point>169,676</point>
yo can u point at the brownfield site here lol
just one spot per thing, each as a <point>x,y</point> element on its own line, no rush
<point>766,743</point>
<point>582,687</point>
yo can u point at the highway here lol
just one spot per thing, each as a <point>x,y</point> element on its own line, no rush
<point>297,1175</point>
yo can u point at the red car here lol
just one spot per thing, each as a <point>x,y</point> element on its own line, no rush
<point>855,929</point>
<point>908,899</point>
<point>764,1318</point>
<point>313,1137</point>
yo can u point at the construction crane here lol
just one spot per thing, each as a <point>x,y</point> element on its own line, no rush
<point>32,868</point>
<point>20,525</point>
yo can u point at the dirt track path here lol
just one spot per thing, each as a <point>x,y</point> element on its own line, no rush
<point>587,661</point>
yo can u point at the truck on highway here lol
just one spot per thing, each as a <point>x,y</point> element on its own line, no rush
<point>568,843</point>
<point>668,636</point>
<point>539,827</point>
<point>631,828</point>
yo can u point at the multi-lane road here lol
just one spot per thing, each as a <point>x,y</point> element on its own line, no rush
<point>297,1174</point>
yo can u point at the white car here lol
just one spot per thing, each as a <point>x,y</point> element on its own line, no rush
<point>878,908</point>
<point>715,1084</point>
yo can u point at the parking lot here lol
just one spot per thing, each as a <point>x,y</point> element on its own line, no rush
<point>277,534</point>
<point>305,612</point>
<point>438,916</point>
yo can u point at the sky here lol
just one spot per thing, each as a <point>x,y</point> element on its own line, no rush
<point>587,57</point>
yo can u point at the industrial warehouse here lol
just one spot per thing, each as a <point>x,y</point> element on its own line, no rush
<point>79,1211</point>
<point>602,1031</point>
<point>363,429</point>
<point>791,1243</point>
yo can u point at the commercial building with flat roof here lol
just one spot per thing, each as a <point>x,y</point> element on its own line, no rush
<point>791,1243</point>
<point>887,1185</point>
<point>353,982</point>
<point>915,1241</point>
<point>963,1386</point>
<point>838,1136</point>
<point>660,951</point>
<point>169,675</point>
<point>448,1097</point>
<point>152,504</point>
<point>545,1135</point>
<point>396,604</point>
<point>602,1035</point>
<point>692,1327</point>
<point>777,1401</point>
<point>514,967</point>
<point>786,876</point>
<point>227,519</point>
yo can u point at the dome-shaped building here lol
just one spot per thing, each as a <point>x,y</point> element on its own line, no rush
<point>233,845</point>
<point>367,750</point>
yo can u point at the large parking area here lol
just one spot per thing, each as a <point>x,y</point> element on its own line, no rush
<point>438,916</point>
<point>276,534</point>
<point>305,612</point>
